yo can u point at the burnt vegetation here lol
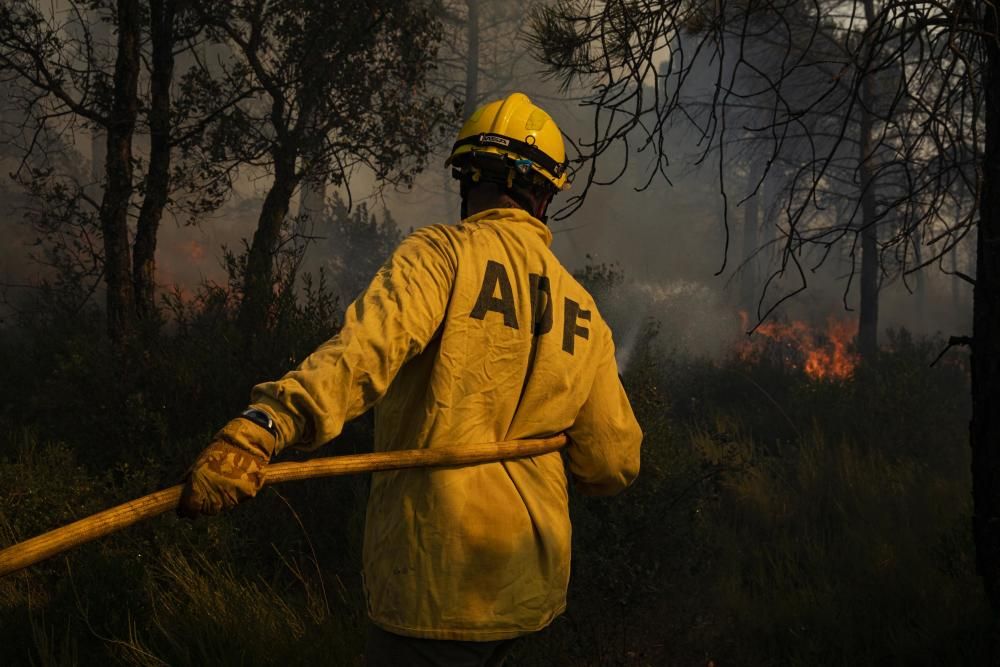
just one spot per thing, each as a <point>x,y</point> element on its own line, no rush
<point>779,517</point>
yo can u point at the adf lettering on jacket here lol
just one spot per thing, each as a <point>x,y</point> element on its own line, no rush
<point>470,333</point>
<point>496,278</point>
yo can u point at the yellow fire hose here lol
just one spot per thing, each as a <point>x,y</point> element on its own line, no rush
<point>46,545</point>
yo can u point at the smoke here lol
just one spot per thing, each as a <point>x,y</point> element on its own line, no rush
<point>668,239</point>
<point>677,316</point>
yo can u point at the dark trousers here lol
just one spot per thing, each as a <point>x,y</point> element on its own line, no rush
<point>387,649</point>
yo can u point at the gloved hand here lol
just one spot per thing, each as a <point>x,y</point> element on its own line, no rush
<point>229,470</point>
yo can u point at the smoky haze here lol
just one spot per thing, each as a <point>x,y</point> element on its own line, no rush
<point>667,240</point>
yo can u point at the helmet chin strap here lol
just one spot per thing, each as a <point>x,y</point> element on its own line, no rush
<point>463,189</point>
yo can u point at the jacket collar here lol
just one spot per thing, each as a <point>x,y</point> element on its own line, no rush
<point>522,218</point>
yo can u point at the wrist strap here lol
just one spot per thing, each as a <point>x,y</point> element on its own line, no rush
<point>260,418</point>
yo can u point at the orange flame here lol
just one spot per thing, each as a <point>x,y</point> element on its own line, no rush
<point>822,355</point>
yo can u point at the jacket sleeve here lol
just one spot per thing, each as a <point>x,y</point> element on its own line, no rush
<point>604,443</point>
<point>392,321</point>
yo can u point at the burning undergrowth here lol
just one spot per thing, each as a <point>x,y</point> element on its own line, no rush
<point>692,317</point>
<point>822,353</point>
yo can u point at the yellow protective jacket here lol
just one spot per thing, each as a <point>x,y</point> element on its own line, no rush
<point>470,333</point>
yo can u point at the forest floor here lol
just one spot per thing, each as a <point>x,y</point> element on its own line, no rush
<point>777,519</point>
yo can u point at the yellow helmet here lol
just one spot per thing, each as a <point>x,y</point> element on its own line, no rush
<point>518,132</point>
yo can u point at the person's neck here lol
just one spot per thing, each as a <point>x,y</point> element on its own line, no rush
<point>478,205</point>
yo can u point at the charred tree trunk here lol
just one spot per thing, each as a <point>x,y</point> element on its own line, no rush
<point>868,317</point>
<point>98,147</point>
<point>751,240</point>
<point>258,283</point>
<point>101,31</point>
<point>985,426</point>
<point>868,320</point>
<point>920,291</point>
<point>118,174</point>
<point>770,211</point>
<point>472,58</point>
<point>955,294</point>
<point>161,24</point>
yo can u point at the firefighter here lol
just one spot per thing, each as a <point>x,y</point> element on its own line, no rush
<point>469,333</point>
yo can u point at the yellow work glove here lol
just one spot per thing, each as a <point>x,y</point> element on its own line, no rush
<point>229,470</point>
